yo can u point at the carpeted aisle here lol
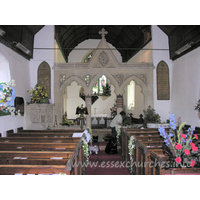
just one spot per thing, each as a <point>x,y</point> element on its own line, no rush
<point>106,164</point>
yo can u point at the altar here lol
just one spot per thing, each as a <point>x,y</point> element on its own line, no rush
<point>100,120</point>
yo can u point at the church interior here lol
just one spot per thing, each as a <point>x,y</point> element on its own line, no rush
<point>74,79</point>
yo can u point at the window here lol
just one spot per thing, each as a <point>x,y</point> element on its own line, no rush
<point>98,87</point>
<point>131,96</point>
<point>88,57</point>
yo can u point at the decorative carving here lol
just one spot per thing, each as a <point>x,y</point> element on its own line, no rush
<point>87,79</point>
<point>35,117</point>
<point>103,58</point>
<point>62,78</point>
<point>103,32</point>
<point>49,117</point>
<point>143,77</point>
<point>119,78</point>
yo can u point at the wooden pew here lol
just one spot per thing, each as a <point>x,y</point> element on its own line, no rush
<point>142,151</point>
<point>33,169</point>
<point>39,139</point>
<point>28,146</point>
<point>71,145</point>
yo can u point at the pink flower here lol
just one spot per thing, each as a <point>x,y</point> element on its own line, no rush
<point>178,146</point>
<point>183,136</point>
<point>178,160</point>
<point>196,136</point>
<point>194,148</point>
<point>192,144</point>
<point>187,152</point>
<point>192,163</point>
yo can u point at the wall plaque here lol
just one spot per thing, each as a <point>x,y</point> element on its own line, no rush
<point>119,101</point>
<point>44,77</point>
<point>163,89</point>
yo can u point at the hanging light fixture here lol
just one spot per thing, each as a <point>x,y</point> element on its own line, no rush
<point>2,32</point>
<point>184,48</point>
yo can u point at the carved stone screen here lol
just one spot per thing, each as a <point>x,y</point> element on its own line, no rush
<point>44,77</point>
<point>163,89</point>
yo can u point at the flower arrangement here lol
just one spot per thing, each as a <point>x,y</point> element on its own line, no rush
<point>179,146</point>
<point>6,91</point>
<point>7,95</point>
<point>197,107</point>
<point>85,147</point>
<point>150,116</point>
<point>38,93</point>
<point>65,121</point>
<point>118,132</point>
<point>114,109</point>
<point>90,132</point>
<point>131,146</point>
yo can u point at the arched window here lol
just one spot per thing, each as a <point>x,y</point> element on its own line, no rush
<point>88,57</point>
<point>131,95</point>
<point>4,69</point>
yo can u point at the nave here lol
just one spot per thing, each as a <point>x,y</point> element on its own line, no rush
<point>58,152</point>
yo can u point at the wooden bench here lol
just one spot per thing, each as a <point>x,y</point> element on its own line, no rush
<point>71,147</point>
<point>33,169</point>
<point>39,139</point>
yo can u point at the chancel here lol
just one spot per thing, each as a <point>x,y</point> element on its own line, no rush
<point>106,69</point>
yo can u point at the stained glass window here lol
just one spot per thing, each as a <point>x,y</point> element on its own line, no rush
<point>98,87</point>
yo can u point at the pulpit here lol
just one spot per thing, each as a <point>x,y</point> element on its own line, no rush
<point>39,116</point>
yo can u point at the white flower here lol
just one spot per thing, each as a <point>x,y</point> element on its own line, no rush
<point>12,83</point>
<point>2,96</point>
<point>8,99</point>
<point>131,138</point>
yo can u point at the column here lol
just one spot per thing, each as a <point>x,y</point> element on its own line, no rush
<point>88,104</point>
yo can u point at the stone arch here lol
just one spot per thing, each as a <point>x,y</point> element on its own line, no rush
<point>70,79</point>
<point>109,76</point>
<point>145,90</point>
<point>137,80</point>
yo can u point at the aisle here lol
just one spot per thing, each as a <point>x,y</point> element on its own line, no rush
<point>106,164</point>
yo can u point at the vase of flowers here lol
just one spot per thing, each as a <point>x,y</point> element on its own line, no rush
<point>197,107</point>
<point>39,94</point>
<point>179,145</point>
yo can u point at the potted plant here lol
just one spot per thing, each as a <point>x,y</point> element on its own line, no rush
<point>151,118</point>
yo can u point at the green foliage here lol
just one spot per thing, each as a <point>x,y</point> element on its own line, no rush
<point>38,93</point>
<point>65,121</point>
<point>150,116</point>
<point>106,90</point>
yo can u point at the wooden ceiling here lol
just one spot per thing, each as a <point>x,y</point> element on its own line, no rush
<point>127,39</point>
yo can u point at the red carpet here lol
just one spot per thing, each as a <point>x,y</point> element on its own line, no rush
<point>106,164</point>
